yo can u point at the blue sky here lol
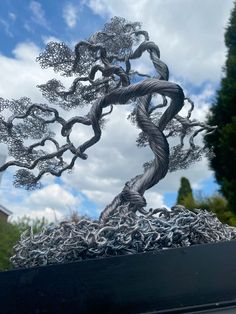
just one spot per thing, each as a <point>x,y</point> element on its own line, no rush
<point>192,47</point>
<point>20,22</point>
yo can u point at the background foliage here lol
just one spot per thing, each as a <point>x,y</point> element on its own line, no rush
<point>223,114</point>
<point>10,234</point>
<point>185,192</point>
<point>215,203</point>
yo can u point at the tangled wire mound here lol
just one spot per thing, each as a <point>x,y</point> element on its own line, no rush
<point>126,233</point>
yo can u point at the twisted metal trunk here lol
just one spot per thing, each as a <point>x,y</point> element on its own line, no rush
<point>132,194</point>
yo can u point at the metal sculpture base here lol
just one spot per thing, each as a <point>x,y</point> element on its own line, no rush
<point>124,233</point>
<point>196,279</point>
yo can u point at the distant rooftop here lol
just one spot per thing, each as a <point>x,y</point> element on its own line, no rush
<point>5,210</point>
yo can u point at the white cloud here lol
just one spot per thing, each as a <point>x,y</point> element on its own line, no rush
<point>98,196</point>
<point>22,74</point>
<point>38,13</point>
<point>190,34</point>
<point>48,39</point>
<point>6,27</point>
<point>53,196</point>
<point>154,199</point>
<point>26,51</point>
<point>53,201</point>
<point>28,27</point>
<point>12,16</point>
<point>50,214</point>
<point>70,15</point>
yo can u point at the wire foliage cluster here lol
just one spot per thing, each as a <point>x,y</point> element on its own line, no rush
<point>124,233</point>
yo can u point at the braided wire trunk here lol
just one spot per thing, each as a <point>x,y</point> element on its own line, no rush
<point>132,194</point>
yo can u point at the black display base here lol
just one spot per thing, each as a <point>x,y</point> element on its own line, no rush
<point>195,279</point>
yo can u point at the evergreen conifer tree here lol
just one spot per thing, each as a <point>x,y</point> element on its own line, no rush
<point>185,193</point>
<point>223,114</point>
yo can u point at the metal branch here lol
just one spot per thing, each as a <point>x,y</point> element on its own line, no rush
<point>191,107</point>
<point>110,70</point>
<point>107,113</point>
<point>59,172</point>
<point>164,104</point>
<point>72,89</point>
<point>191,140</point>
<point>39,107</point>
<point>191,123</point>
<point>20,164</point>
<point>42,143</point>
<point>141,32</point>
<point>140,74</point>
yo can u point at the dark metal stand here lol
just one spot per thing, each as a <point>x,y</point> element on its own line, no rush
<point>197,279</point>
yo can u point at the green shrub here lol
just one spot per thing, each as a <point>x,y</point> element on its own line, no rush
<point>10,234</point>
<point>215,203</point>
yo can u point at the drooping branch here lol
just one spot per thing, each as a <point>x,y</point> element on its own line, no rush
<point>20,164</point>
<point>34,107</point>
<point>183,127</point>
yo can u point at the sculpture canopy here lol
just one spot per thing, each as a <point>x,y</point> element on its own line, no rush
<point>109,52</point>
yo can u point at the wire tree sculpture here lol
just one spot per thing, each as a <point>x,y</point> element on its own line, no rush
<point>25,126</point>
<point>101,68</point>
